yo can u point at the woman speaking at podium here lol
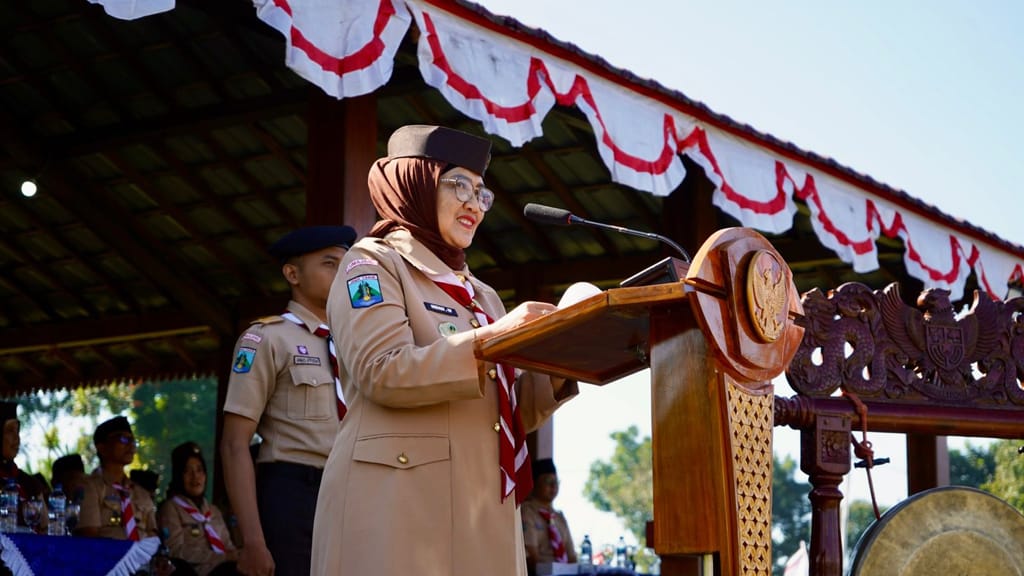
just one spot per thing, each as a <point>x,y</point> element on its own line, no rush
<point>430,465</point>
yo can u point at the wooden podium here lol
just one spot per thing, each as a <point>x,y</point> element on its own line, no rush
<point>713,342</point>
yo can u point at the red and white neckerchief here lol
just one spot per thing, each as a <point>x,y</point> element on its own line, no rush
<point>324,332</point>
<point>513,455</point>
<point>131,529</point>
<point>203,518</point>
<point>557,545</point>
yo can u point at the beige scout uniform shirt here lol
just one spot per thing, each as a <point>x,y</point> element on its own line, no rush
<point>535,532</point>
<point>281,378</point>
<point>186,538</point>
<point>101,508</point>
<point>412,485</point>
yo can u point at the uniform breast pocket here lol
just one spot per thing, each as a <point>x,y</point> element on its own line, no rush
<point>311,396</point>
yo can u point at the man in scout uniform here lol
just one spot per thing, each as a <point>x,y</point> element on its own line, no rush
<point>284,386</point>
<point>545,531</point>
<point>112,505</point>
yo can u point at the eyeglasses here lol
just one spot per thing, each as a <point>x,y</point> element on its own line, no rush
<point>464,192</point>
<point>125,439</point>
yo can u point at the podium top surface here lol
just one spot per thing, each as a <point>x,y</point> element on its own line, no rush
<point>597,340</point>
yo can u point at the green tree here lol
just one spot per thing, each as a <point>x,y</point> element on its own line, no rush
<point>163,415</point>
<point>791,512</point>
<point>624,484</point>
<point>860,516</point>
<point>974,466</point>
<point>1008,481</point>
<point>168,413</point>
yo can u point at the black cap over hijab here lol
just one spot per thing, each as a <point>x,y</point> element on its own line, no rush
<point>8,411</point>
<point>440,143</point>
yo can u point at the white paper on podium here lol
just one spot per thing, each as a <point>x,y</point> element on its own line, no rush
<point>576,293</point>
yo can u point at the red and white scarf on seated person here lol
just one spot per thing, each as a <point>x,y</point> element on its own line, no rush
<point>557,545</point>
<point>513,455</point>
<point>324,332</point>
<point>131,528</point>
<point>203,518</point>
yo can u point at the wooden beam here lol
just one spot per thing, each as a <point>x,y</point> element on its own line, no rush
<point>342,147</point>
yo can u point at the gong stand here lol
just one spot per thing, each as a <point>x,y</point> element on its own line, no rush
<point>913,368</point>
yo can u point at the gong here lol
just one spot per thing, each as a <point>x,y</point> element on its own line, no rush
<point>949,530</point>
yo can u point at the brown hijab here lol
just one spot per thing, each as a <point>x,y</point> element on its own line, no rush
<point>404,191</point>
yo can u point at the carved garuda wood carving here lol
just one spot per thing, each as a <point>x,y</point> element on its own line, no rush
<point>878,346</point>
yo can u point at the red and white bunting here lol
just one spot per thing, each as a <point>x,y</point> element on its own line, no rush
<point>509,81</point>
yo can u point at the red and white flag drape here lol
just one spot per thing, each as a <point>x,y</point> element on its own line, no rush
<point>513,455</point>
<point>203,518</point>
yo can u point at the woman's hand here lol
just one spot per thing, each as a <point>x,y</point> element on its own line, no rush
<point>525,312</point>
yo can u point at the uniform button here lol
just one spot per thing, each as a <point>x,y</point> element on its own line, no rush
<point>474,323</point>
<point>403,459</point>
<point>492,374</point>
<point>497,426</point>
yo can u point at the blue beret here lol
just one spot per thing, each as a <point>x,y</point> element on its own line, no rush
<point>440,143</point>
<point>311,239</point>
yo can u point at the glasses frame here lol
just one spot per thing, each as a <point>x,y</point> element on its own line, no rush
<point>124,439</point>
<point>464,191</point>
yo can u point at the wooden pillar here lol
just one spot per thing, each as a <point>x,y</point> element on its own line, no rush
<point>688,217</point>
<point>927,462</point>
<point>825,458</point>
<point>341,148</point>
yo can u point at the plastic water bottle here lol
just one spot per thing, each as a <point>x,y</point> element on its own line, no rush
<point>9,506</point>
<point>586,551</point>
<point>620,553</point>
<point>58,504</point>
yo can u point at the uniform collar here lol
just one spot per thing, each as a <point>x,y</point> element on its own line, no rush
<point>125,482</point>
<point>419,255</point>
<point>305,315</point>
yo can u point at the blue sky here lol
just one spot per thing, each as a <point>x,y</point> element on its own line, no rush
<point>924,96</point>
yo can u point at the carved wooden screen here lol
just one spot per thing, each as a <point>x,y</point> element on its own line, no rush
<point>921,370</point>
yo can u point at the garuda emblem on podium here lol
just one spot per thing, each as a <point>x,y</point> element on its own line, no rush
<point>767,292</point>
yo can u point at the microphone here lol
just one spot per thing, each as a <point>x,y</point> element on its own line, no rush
<point>559,217</point>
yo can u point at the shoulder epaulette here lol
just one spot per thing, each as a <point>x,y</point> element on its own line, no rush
<point>268,320</point>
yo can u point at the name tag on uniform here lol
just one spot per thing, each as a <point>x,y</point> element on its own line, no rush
<point>440,309</point>
<point>308,360</point>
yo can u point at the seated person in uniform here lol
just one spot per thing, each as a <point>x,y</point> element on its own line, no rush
<point>112,505</point>
<point>28,486</point>
<point>195,529</point>
<point>68,472</point>
<point>147,479</point>
<point>545,531</point>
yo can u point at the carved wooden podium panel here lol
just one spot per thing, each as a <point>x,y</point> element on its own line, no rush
<point>713,342</point>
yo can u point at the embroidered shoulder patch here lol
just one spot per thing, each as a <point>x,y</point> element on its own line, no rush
<point>243,362</point>
<point>360,262</point>
<point>364,291</point>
